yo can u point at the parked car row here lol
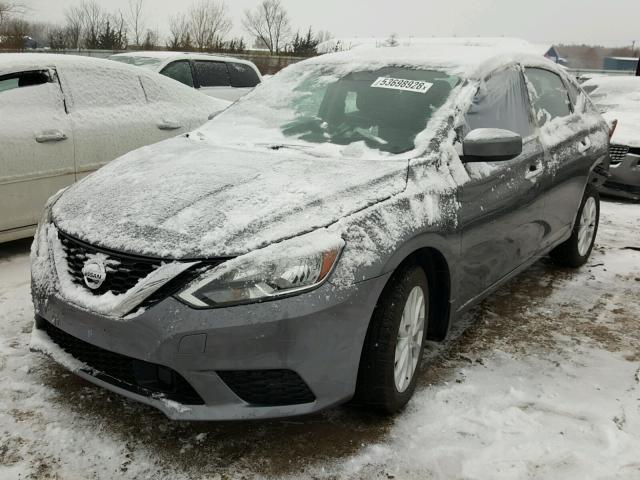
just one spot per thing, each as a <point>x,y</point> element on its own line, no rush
<point>296,251</point>
<point>220,77</point>
<point>66,116</point>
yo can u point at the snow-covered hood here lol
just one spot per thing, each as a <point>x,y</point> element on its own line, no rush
<point>628,129</point>
<point>185,198</point>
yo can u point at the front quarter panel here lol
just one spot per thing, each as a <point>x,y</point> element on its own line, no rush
<point>380,237</point>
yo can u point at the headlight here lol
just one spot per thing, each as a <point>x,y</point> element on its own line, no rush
<point>287,268</point>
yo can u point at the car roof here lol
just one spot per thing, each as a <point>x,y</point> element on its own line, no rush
<point>166,56</point>
<point>14,61</point>
<point>466,60</point>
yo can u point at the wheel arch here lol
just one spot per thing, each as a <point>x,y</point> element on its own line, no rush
<point>435,258</point>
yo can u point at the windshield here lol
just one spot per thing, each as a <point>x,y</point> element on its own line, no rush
<point>382,109</point>
<point>615,93</point>
<point>148,62</point>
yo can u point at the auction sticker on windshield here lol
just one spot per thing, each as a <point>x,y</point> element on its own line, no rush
<point>418,86</point>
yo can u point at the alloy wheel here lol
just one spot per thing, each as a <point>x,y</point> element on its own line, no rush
<point>587,226</point>
<point>409,341</point>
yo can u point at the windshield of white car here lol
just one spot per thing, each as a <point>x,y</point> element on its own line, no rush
<point>148,62</point>
<point>382,109</point>
<point>620,94</point>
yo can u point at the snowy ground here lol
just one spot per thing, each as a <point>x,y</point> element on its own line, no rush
<point>544,382</point>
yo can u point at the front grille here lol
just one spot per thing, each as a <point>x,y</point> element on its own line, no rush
<point>617,153</point>
<point>268,387</point>
<point>137,376</point>
<point>123,271</point>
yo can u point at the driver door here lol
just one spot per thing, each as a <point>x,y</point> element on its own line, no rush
<point>501,206</point>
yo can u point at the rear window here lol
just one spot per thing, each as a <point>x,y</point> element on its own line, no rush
<point>91,87</point>
<point>212,74</point>
<point>242,75</point>
<point>550,97</point>
<point>179,71</point>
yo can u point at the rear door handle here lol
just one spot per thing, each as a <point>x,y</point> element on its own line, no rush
<point>584,145</point>
<point>169,125</point>
<point>50,136</point>
<point>534,170</point>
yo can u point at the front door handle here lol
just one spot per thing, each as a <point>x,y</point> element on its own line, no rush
<point>50,136</point>
<point>534,170</point>
<point>584,145</point>
<point>169,125</point>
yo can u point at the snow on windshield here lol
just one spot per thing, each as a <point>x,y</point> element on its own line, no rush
<point>330,111</point>
<point>615,93</point>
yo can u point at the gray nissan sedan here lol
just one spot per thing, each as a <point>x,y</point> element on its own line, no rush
<point>296,251</point>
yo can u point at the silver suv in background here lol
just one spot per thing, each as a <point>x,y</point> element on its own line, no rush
<point>217,76</point>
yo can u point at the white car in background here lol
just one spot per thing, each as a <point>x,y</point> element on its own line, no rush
<point>618,99</point>
<point>65,116</point>
<point>217,76</point>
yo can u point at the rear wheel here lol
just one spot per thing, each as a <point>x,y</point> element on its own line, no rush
<point>576,250</point>
<point>393,346</point>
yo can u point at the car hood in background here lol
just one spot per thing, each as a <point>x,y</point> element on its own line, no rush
<point>184,198</point>
<point>628,129</point>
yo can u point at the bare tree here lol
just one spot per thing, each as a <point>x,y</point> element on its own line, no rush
<point>269,23</point>
<point>151,39</point>
<point>392,41</point>
<point>9,10</point>
<point>209,23</point>
<point>179,33</point>
<point>95,21</point>
<point>74,23</point>
<point>15,33</point>
<point>324,36</point>
<point>137,21</point>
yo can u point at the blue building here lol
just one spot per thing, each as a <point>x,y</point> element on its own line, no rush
<point>621,63</point>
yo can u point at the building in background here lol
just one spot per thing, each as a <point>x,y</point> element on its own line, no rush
<point>621,63</point>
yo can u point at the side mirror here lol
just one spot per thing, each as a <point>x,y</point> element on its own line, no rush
<point>491,145</point>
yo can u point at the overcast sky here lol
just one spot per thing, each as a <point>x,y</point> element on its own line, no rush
<point>607,22</point>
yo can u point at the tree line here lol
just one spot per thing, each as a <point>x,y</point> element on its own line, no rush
<point>204,26</point>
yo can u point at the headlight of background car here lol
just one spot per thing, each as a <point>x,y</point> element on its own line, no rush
<point>279,270</point>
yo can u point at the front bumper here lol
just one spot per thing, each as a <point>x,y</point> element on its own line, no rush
<point>624,179</point>
<point>318,335</point>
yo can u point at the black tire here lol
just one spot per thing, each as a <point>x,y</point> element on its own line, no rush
<point>376,386</point>
<point>567,254</point>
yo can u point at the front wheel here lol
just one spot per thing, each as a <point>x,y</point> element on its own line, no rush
<point>393,346</point>
<point>576,250</point>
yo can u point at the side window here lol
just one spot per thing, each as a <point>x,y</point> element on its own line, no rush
<point>550,97</point>
<point>180,71</point>
<point>242,75</point>
<point>92,87</point>
<point>24,79</point>
<point>212,74</point>
<point>501,102</point>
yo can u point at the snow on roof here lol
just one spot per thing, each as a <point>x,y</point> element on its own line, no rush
<point>10,61</point>
<point>460,58</point>
<point>354,42</point>
<point>169,55</point>
<point>620,81</point>
<point>628,59</point>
